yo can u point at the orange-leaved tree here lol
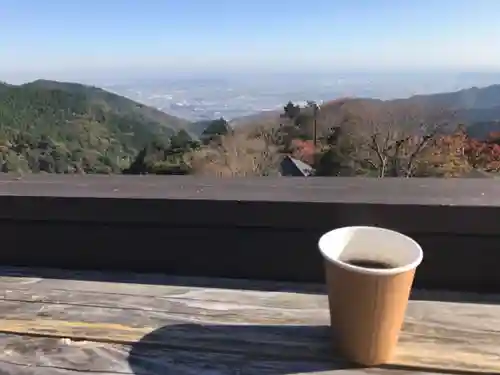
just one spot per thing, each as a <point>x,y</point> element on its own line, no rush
<point>447,156</point>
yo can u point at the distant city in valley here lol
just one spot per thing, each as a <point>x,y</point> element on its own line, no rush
<point>232,97</point>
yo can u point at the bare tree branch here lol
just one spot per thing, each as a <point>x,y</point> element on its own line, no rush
<point>392,143</point>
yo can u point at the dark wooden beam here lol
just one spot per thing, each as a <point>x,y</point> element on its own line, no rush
<point>450,206</point>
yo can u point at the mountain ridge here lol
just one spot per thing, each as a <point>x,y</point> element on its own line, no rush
<point>123,104</point>
<point>468,106</point>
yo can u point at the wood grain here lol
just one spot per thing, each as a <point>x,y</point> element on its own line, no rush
<point>68,357</point>
<point>98,327</point>
<point>416,191</point>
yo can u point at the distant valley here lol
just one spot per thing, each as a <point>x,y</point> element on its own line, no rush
<point>235,97</point>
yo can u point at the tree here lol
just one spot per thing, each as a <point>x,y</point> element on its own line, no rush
<point>397,152</point>
<point>485,154</point>
<point>291,111</point>
<point>296,126</point>
<point>158,158</point>
<point>180,141</point>
<point>215,130</point>
<point>446,156</point>
<point>237,154</point>
<point>457,153</point>
<point>390,144</point>
<point>338,154</point>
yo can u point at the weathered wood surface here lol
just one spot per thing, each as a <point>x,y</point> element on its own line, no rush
<point>58,326</point>
<point>434,191</point>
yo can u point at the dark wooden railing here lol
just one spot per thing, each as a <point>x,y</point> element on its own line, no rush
<point>257,228</point>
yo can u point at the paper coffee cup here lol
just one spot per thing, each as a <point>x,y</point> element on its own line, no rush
<point>367,305</point>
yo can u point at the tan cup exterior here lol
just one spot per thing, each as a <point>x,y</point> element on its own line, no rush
<point>367,312</point>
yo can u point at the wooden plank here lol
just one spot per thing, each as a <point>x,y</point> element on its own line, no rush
<point>429,191</point>
<point>150,284</point>
<point>159,285</point>
<point>49,356</point>
<point>277,326</point>
<point>267,342</point>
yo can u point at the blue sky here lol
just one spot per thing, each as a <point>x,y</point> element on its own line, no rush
<point>247,35</point>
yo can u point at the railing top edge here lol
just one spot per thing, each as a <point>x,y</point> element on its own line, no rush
<point>387,191</point>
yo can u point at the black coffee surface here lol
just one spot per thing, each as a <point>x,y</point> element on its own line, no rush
<point>368,264</point>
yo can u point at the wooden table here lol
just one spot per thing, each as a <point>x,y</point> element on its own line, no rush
<point>60,322</point>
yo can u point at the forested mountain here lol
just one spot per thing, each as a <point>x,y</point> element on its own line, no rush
<point>65,128</point>
<point>115,103</point>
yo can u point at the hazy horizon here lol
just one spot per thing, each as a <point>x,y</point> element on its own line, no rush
<point>106,77</point>
<point>201,97</point>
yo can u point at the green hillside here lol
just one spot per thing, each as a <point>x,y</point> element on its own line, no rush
<point>113,102</point>
<point>66,128</point>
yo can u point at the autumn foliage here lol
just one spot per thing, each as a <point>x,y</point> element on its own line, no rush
<point>353,141</point>
<point>483,154</point>
<point>457,153</point>
<point>450,155</point>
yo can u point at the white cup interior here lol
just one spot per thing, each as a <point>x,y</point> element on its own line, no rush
<point>371,244</point>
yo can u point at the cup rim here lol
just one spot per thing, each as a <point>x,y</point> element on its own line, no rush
<point>371,271</point>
